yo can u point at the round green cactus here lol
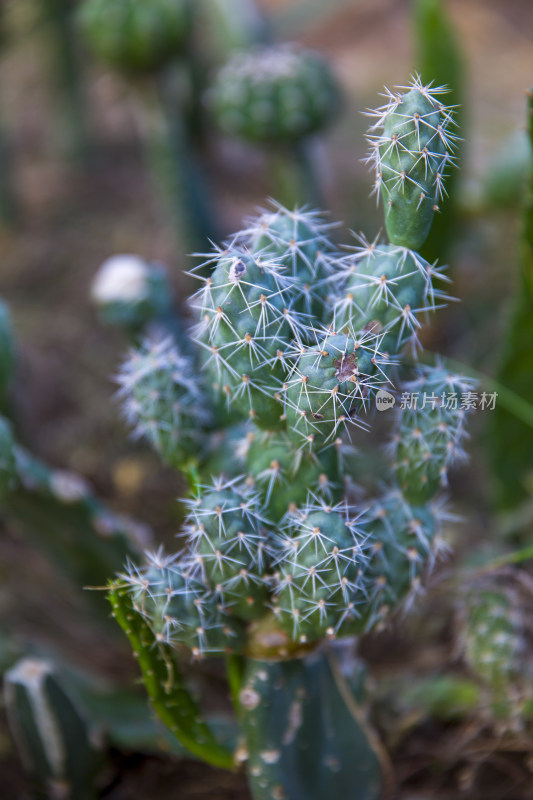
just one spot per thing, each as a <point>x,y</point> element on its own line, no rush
<point>319,558</point>
<point>410,153</point>
<point>163,400</point>
<point>493,637</point>
<point>180,608</point>
<point>298,240</point>
<point>386,289</point>
<point>428,439</point>
<point>403,543</point>
<point>134,36</point>
<point>276,93</point>
<point>284,476</point>
<point>246,323</point>
<point>331,384</point>
<point>494,642</point>
<point>226,536</point>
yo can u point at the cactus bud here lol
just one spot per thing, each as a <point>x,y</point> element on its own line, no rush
<point>319,556</point>
<point>410,155</point>
<point>180,609</point>
<point>227,546</point>
<point>246,322</point>
<point>275,93</point>
<point>386,289</point>
<point>298,240</point>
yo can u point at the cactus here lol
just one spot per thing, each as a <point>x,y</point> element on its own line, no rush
<point>492,635</point>
<point>412,145</point>
<point>133,37</point>
<point>163,399</point>
<point>278,95</point>
<point>54,740</point>
<point>282,557</point>
<point>274,93</point>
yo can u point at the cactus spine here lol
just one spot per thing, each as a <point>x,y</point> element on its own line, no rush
<point>281,558</point>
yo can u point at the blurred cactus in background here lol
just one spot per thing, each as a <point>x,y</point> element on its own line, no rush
<point>132,293</point>
<point>135,37</point>
<point>278,96</point>
<point>281,557</point>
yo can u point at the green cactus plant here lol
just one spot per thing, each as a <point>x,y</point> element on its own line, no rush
<point>494,641</point>
<point>279,96</point>
<point>282,560</point>
<point>7,352</point>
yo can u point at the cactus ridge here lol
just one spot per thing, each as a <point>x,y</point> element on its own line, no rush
<point>246,322</point>
<point>283,474</point>
<point>299,240</point>
<point>179,608</point>
<point>162,398</point>
<point>133,36</point>
<point>411,147</point>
